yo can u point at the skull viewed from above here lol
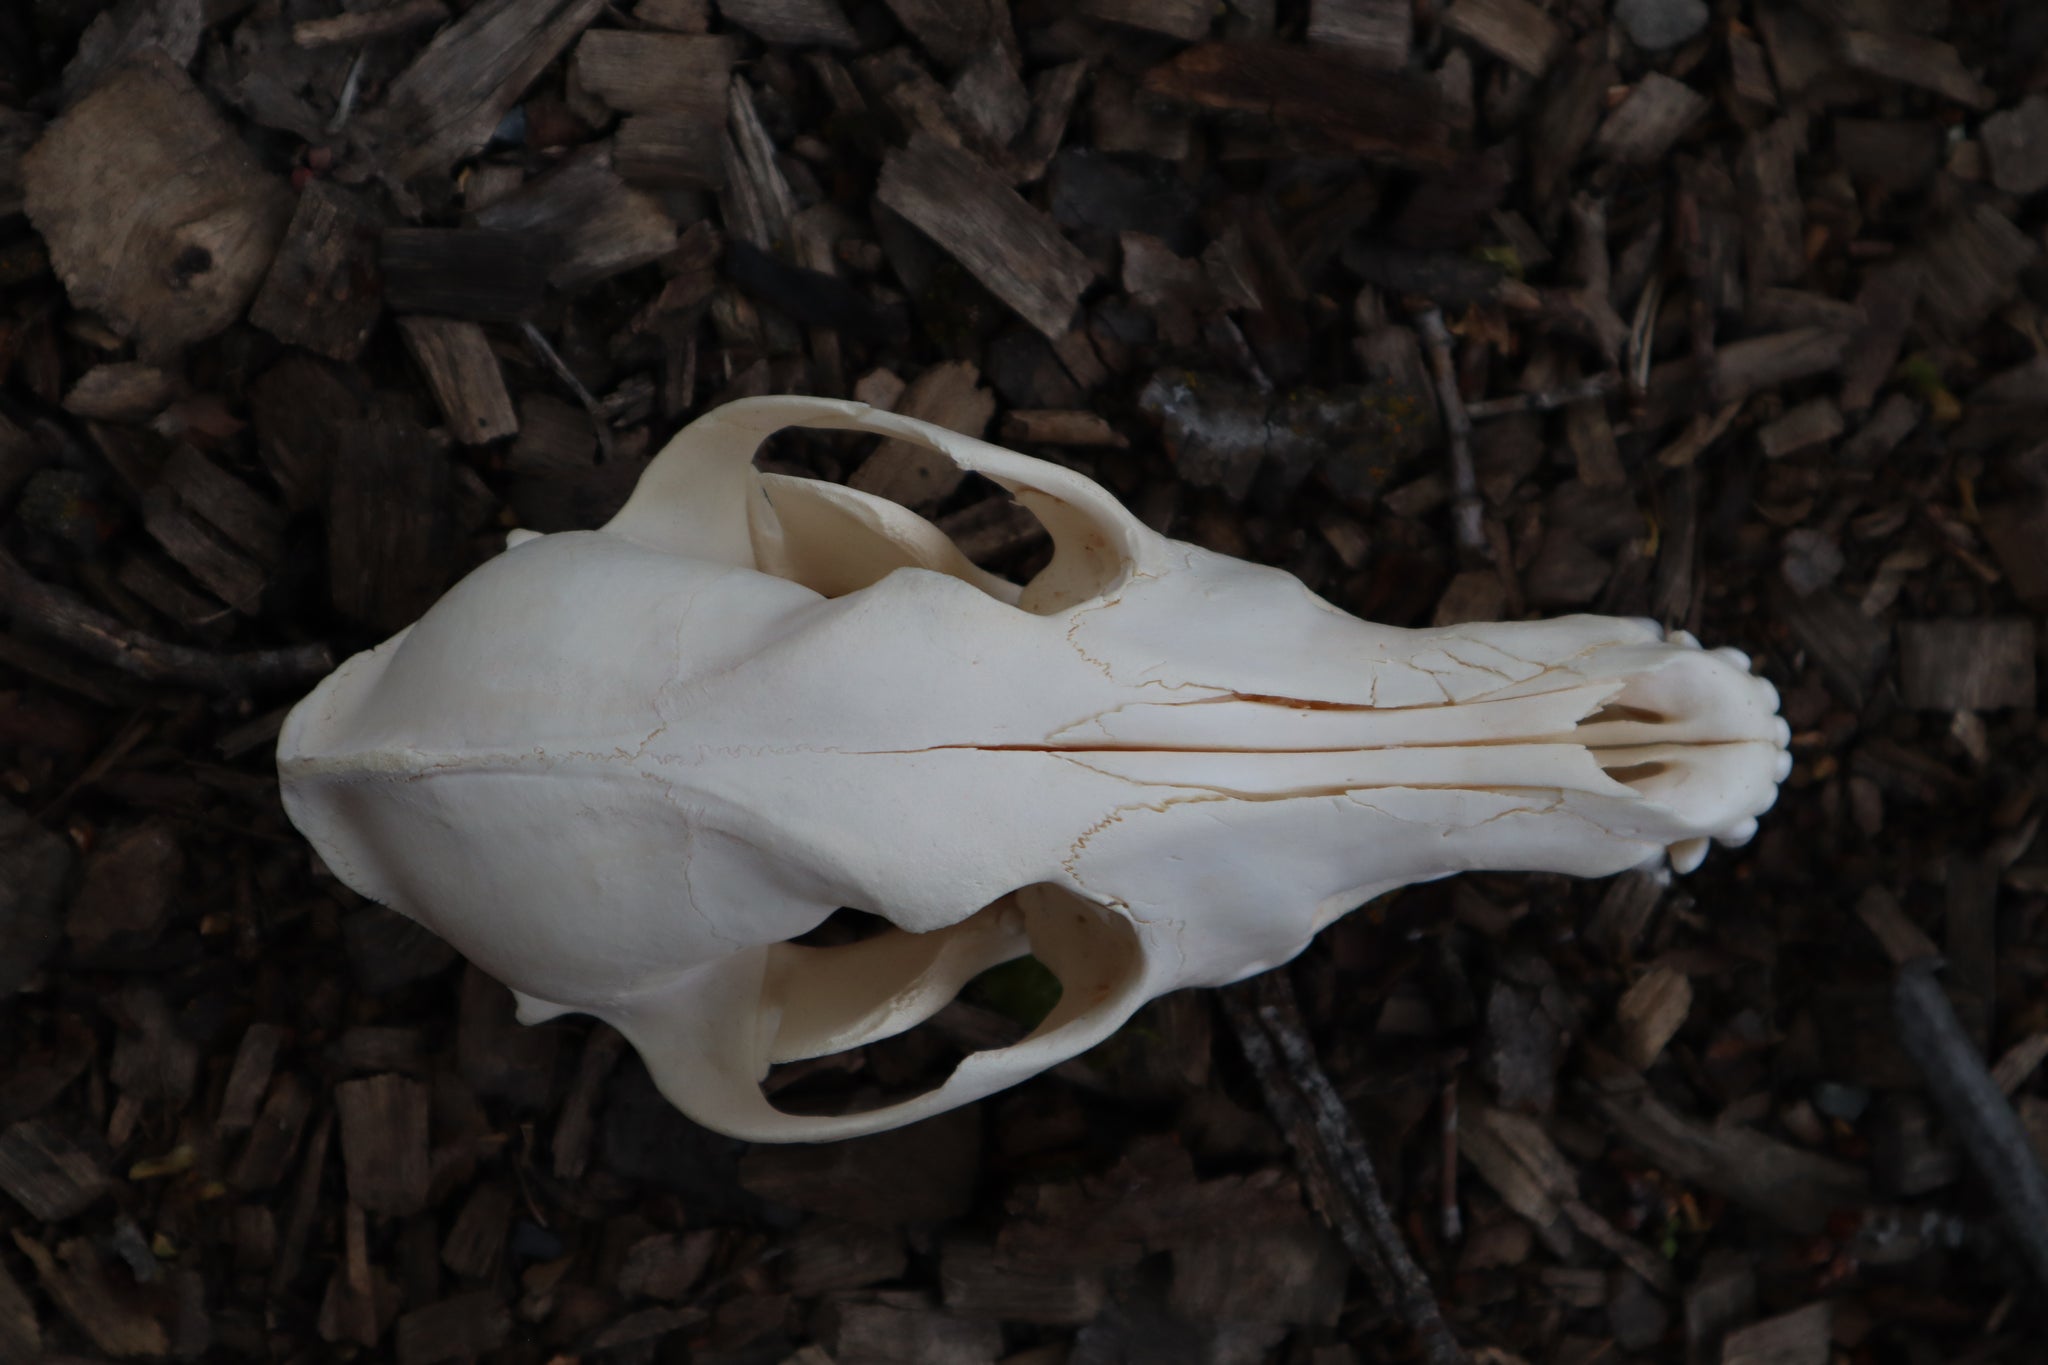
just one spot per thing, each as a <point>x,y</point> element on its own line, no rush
<point>623,769</point>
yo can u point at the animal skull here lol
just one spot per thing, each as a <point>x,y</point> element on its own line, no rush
<point>621,769</point>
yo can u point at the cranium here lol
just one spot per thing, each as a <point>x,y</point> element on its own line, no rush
<point>622,769</point>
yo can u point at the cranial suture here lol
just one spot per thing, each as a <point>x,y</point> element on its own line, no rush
<point>622,769</point>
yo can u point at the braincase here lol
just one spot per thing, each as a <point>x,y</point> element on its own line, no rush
<point>565,638</point>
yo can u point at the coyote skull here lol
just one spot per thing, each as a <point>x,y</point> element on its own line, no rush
<point>622,769</point>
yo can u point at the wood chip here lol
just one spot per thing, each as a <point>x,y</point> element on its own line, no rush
<point>1060,427</point>
<point>1650,1012</point>
<point>1515,31</point>
<point>476,1242</point>
<point>465,376</point>
<point>51,1171</point>
<point>1643,127</point>
<point>1815,422</point>
<point>884,1334</point>
<point>125,898</point>
<point>448,102</point>
<point>596,225</point>
<point>979,1282</point>
<point>1375,114</point>
<point>390,522</point>
<point>668,1265</point>
<point>88,1294</point>
<point>1774,212</point>
<point>206,217</point>
<point>2016,143</point>
<point>323,291</point>
<point>828,1255</point>
<point>1379,31</point>
<point>954,31</point>
<point>1012,248</point>
<point>804,23</point>
<point>925,1173</point>
<point>384,1143</point>
<point>1970,268</point>
<point>123,391</point>
<point>363,26</point>
<point>657,73</point>
<point>1913,60</point>
<point>2016,532</point>
<point>1291,1275</point>
<point>490,276</point>
<point>1186,20</point>
<point>1801,1337</point>
<point>462,1328</point>
<point>1967,665</point>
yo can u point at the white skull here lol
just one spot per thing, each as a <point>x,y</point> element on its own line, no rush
<point>621,769</point>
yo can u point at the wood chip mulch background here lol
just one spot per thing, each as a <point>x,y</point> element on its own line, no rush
<point>1723,312</point>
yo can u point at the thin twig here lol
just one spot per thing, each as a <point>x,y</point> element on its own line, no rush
<point>539,346</point>
<point>1468,513</point>
<point>1335,1170</point>
<point>351,88</point>
<point>57,615</point>
<point>1544,400</point>
<point>1971,1102</point>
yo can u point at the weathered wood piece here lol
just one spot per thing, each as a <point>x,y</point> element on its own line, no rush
<point>124,898</point>
<point>1012,248</point>
<point>1186,20</point>
<point>478,273</point>
<point>656,73</point>
<point>205,218</point>
<point>955,32</point>
<point>978,1281</point>
<point>362,26</point>
<point>249,1077</point>
<point>1802,1337</point>
<point>21,1336</point>
<point>1379,31</point>
<point>464,374</point>
<point>596,225</point>
<point>2017,532</point>
<point>18,132</point>
<point>86,1293</point>
<point>465,1327</point>
<point>1976,664</point>
<point>384,1143</point>
<point>323,290</point>
<point>123,391</point>
<point>1375,114</point>
<point>1643,127</point>
<point>801,23</point>
<point>52,1171</point>
<point>1814,422</point>
<point>921,1174</point>
<point>1774,213</point>
<point>1650,1012</point>
<point>1060,427</point>
<point>676,16</point>
<point>827,1255</point>
<point>949,395</point>
<point>886,1334</point>
<point>1970,268</point>
<point>669,1265</point>
<point>298,409</point>
<point>446,104</point>
<point>2016,143</point>
<point>1293,1275</point>
<point>1515,31</point>
<point>1913,60</point>
<point>390,516</point>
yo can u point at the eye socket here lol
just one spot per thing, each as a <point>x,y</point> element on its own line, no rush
<point>887,1017</point>
<point>839,538</point>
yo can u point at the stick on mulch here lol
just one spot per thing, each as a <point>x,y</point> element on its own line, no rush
<point>57,615</point>
<point>1974,1107</point>
<point>1334,1167</point>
